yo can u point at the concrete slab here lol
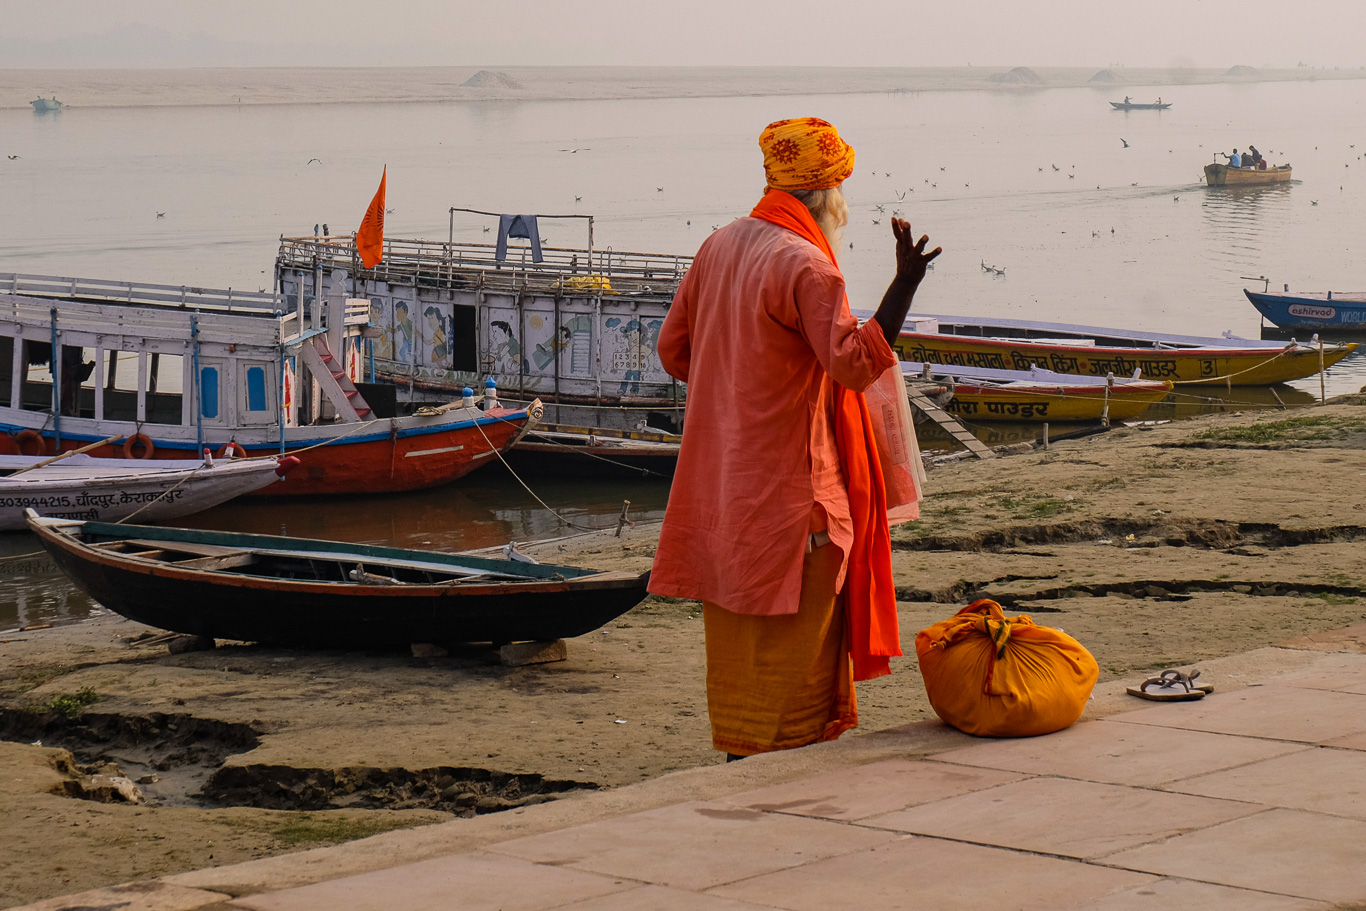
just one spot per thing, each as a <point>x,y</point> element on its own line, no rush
<point>879,787</point>
<point>152,895</point>
<point>1321,779</point>
<point>662,898</point>
<point>471,882</point>
<point>1167,894</point>
<point>1275,712</point>
<point>914,874</point>
<point>1340,673</point>
<point>693,845</point>
<point>1065,817</point>
<point>1291,852</point>
<point>1103,751</point>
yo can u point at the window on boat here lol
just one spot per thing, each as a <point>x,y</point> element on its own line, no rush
<point>165,385</point>
<point>6,370</point>
<point>464,343</point>
<point>120,371</point>
<point>256,392</point>
<point>35,377</point>
<point>208,392</point>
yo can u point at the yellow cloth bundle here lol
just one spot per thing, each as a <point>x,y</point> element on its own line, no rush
<point>997,676</point>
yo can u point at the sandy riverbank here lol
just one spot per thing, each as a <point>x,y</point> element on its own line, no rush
<point>1156,547</point>
<point>398,85</point>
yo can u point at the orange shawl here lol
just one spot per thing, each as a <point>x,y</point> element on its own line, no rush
<point>869,594</point>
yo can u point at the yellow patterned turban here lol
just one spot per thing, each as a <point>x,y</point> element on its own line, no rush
<point>805,153</point>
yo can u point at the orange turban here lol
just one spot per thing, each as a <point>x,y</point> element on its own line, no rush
<point>805,153</point>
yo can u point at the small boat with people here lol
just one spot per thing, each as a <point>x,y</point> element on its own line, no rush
<point>1005,344</point>
<point>310,593</point>
<point>1218,174</point>
<point>1037,394</point>
<point>43,105</point>
<point>175,370</point>
<point>1127,105</point>
<point>77,486</point>
<point>1320,311</point>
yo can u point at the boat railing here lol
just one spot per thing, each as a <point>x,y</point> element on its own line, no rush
<point>184,297</point>
<point>563,270</point>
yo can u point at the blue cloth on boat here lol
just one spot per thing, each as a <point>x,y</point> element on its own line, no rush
<point>1235,160</point>
<point>518,226</point>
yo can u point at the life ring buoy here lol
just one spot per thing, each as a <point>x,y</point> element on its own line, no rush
<point>139,439</point>
<point>25,437</point>
<point>232,450</point>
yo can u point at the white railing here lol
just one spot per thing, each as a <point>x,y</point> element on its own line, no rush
<point>183,296</point>
<point>476,265</point>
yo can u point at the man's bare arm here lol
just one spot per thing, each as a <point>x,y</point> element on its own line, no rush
<point>911,263</point>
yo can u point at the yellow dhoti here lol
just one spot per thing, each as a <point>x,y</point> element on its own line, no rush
<point>782,681</point>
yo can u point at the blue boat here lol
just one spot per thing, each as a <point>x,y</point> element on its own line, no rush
<point>42,105</point>
<point>1317,310</point>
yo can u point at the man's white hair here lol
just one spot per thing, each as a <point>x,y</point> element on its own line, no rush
<point>830,211</point>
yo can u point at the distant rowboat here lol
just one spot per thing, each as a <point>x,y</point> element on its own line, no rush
<point>1221,175</point>
<point>43,105</point>
<point>1135,106</point>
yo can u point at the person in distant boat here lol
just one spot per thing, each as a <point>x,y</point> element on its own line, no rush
<point>1235,160</point>
<point>1253,157</point>
<point>1126,99</point>
<point>776,520</point>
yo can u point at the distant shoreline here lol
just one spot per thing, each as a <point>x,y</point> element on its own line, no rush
<point>223,86</point>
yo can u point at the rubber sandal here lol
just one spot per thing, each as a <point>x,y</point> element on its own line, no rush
<point>1166,689</point>
<point>1188,679</point>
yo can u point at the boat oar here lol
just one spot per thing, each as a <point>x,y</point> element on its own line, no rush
<point>58,458</point>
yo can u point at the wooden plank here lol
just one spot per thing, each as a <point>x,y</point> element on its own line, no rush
<point>223,561</point>
<point>949,423</point>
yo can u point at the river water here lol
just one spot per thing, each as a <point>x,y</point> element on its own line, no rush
<point>1037,182</point>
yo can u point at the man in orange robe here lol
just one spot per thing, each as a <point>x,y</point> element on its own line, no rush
<point>776,520</point>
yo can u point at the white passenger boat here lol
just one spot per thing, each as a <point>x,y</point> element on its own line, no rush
<point>81,487</point>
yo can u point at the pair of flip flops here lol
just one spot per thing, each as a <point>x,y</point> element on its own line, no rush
<point>1171,686</point>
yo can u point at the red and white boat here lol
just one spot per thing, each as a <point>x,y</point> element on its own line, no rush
<point>176,371</point>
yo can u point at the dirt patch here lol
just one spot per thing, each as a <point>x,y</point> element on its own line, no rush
<point>1153,554</point>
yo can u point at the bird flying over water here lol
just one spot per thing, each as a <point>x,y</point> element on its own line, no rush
<point>311,160</point>
<point>659,189</point>
<point>163,214</point>
<point>12,157</point>
<point>1126,144</point>
<point>571,151</point>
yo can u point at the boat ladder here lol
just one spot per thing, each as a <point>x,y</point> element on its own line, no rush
<point>335,384</point>
<point>941,417</point>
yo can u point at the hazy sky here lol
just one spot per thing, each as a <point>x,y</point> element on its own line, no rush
<point>1152,33</point>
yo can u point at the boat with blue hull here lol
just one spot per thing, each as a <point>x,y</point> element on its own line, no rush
<point>1316,310</point>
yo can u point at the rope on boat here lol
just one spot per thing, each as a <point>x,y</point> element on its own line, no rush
<point>544,505</point>
<point>158,498</point>
<point>590,455</point>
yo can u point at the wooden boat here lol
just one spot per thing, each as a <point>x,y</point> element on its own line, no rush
<point>1221,175</point>
<point>1136,106</point>
<point>1039,395</point>
<point>328,594</point>
<point>81,487</point>
<point>596,450</point>
<point>1002,344</point>
<point>1315,310</point>
<point>43,105</point>
<point>178,370</point>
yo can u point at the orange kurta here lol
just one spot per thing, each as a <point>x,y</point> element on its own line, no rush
<point>758,321</point>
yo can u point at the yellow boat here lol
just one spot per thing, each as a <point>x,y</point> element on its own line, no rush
<point>1221,175</point>
<point>1087,351</point>
<point>1037,395</point>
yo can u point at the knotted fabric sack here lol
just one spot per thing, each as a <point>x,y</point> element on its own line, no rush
<point>997,676</point>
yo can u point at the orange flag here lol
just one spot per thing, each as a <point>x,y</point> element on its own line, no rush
<point>370,237</point>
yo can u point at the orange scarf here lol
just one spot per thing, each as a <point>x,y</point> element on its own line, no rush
<point>869,594</point>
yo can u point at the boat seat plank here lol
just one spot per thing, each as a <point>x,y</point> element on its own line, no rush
<point>183,547</point>
<point>221,561</point>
